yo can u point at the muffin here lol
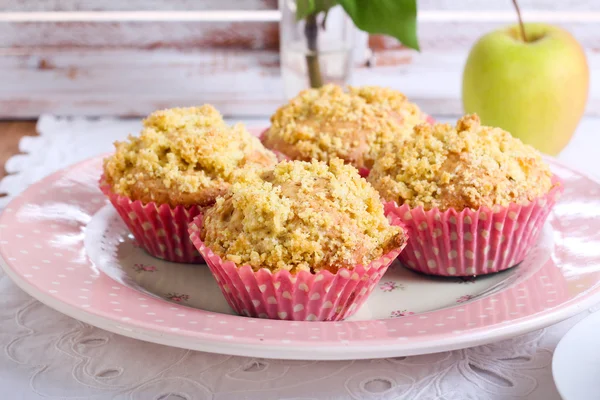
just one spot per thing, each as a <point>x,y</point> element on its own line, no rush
<point>353,125</point>
<point>182,160</point>
<point>473,197</point>
<point>301,241</point>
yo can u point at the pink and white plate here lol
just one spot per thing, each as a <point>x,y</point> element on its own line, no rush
<point>64,244</point>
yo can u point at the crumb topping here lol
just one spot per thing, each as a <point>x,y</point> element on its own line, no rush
<point>392,101</point>
<point>354,125</point>
<point>183,156</point>
<point>467,166</point>
<point>300,216</point>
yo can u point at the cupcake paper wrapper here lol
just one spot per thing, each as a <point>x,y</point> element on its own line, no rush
<point>471,242</point>
<point>323,296</point>
<point>159,229</point>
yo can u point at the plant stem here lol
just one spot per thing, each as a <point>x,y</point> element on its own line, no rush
<point>520,20</point>
<point>311,31</point>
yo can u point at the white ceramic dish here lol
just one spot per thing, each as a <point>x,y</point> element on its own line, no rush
<point>576,362</point>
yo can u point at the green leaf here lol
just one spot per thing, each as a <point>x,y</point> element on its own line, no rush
<point>306,7</point>
<point>397,18</point>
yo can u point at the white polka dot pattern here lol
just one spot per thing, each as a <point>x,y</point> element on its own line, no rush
<point>301,297</point>
<point>463,243</point>
<point>160,229</point>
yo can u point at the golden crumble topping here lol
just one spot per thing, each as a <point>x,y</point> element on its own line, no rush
<point>300,216</point>
<point>392,101</point>
<point>353,125</point>
<point>183,156</point>
<point>467,166</point>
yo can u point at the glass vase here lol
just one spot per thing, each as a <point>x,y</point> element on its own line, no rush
<point>315,50</point>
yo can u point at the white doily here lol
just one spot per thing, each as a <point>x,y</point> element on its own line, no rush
<point>50,356</point>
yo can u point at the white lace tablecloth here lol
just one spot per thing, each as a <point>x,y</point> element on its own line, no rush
<point>47,355</point>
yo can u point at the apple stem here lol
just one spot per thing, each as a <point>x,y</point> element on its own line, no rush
<point>520,20</point>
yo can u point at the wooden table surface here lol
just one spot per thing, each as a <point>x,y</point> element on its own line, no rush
<point>10,134</point>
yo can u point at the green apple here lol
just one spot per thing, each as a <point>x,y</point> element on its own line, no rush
<point>535,89</point>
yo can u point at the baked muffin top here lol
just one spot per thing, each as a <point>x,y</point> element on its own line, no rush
<point>467,166</point>
<point>183,156</point>
<point>354,125</point>
<point>392,101</point>
<point>300,215</point>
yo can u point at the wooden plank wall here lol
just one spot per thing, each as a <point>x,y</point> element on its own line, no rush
<point>111,57</point>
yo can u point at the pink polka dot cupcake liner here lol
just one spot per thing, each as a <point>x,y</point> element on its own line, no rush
<point>304,296</point>
<point>472,242</point>
<point>159,229</point>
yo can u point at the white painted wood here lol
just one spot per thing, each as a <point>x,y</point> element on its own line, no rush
<point>141,16</point>
<point>495,5</point>
<point>77,59</point>
<point>246,35</point>
<point>186,5</point>
<point>509,16</point>
<point>126,83</point>
<point>134,5</point>
<point>133,83</point>
<point>444,36</point>
<point>274,15</point>
<point>139,35</point>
